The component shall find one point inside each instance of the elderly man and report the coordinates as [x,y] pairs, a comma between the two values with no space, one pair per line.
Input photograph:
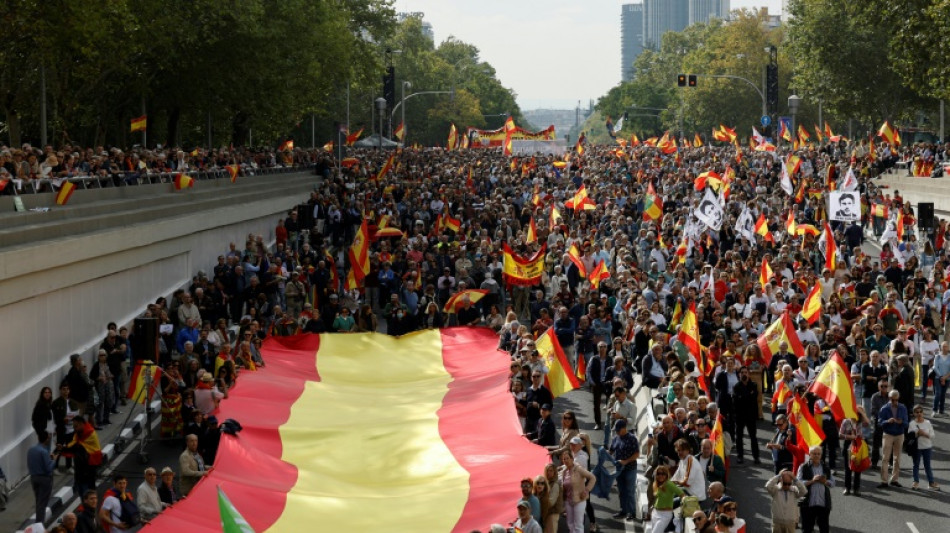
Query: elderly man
[192,465]
[893,420]
[150,504]
[785,489]
[818,481]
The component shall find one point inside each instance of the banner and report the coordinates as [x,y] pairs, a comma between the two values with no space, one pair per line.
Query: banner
[844,206]
[523,271]
[495,138]
[709,211]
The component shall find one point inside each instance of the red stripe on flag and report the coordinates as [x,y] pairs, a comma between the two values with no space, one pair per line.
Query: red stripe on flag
[478,397]
[261,402]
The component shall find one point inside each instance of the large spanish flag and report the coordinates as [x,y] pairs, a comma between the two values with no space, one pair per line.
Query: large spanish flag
[525,271]
[782,330]
[833,385]
[348,432]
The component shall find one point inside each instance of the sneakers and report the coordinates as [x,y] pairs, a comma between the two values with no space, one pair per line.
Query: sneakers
[915,486]
[934,487]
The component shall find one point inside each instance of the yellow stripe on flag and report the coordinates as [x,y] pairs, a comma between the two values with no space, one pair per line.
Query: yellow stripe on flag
[375,415]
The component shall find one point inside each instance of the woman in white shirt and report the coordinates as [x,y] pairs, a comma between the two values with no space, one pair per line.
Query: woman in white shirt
[929,348]
[925,432]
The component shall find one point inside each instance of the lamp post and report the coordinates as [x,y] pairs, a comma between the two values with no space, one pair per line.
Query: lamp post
[793,102]
[381,106]
[402,103]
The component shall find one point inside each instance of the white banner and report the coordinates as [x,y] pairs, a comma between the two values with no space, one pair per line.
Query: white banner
[844,206]
[709,210]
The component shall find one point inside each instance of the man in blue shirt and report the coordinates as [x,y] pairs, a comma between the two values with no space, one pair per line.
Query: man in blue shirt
[40,465]
[625,449]
[894,421]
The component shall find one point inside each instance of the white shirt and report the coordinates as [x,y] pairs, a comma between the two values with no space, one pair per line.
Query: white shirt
[147,498]
[923,443]
[114,506]
[690,471]
[928,350]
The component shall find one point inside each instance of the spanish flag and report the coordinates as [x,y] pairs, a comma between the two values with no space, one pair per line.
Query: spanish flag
[581,200]
[599,274]
[579,147]
[634,141]
[782,330]
[762,228]
[803,135]
[765,272]
[793,163]
[182,181]
[400,131]
[358,253]
[731,133]
[811,309]
[387,166]
[328,146]
[510,124]
[532,231]
[697,142]
[450,223]
[889,134]
[452,142]
[833,385]
[232,172]
[781,394]
[524,271]
[575,255]
[65,192]
[139,123]
[689,336]
[506,150]
[790,225]
[137,390]
[831,249]
[784,133]
[719,135]
[718,439]
[310,453]
[457,300]
[287,146]
[560,377]
[555,215]
[352,138]
[89,440]
[804,423]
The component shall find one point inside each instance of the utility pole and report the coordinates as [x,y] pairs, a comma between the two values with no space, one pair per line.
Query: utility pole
[43,106]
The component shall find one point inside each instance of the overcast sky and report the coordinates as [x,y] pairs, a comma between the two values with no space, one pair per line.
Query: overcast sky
[551,52]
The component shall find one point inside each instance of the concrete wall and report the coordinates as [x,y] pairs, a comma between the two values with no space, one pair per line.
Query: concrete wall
[57,295]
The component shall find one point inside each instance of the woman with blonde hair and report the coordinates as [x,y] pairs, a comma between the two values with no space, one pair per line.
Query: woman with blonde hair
[552,506]
[664,491]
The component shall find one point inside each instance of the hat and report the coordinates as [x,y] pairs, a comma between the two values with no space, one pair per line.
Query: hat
[620,424]
[523,503]
[724,500]
[207,377]
[546,407]
[576,440]
[167,470]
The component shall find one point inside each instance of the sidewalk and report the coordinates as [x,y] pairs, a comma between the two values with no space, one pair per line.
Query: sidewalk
[126,427]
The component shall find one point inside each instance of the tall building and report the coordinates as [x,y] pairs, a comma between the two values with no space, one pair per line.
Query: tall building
[426,26]
[701,11]
[631,37]
[661,16]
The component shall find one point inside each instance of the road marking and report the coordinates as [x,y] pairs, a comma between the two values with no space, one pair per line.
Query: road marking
[912,528]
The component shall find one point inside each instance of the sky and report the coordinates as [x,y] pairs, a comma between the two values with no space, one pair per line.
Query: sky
[552,53]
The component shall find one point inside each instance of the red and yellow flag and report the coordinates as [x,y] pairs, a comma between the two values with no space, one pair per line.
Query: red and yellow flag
[298,417]
[689,336]
[803,135]
[452,141]
[400,131]
[762,228]
[328,146]
[889,134]
[831,249]
[697,142]
[358,253]
[718,439]
[352,138]
[525,271]
[782,330]
[833,385]
[139,123]
[183,181]
[510,124]
[575,256]
[765,272]
[555,215]
[137,390]
[811,309]
[581,200]
[387,166]
[65,192]
[506,150]
[287,146]
[804,423]
[532,231]
[599,274]
[457,300]
[560,378]
[232,172]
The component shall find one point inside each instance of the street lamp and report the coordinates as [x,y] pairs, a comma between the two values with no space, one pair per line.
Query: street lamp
[402,103]
[793,102]
[381,106]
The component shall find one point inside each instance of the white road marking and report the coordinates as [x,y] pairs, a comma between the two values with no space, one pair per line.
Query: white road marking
[913,529]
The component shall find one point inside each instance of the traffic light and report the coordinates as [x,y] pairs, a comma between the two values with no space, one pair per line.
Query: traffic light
[681,80]
[389,87]
[692,80]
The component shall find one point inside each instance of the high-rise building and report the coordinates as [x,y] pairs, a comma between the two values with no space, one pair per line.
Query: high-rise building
[426,26]
[631,37]
[661,16]
[701,11]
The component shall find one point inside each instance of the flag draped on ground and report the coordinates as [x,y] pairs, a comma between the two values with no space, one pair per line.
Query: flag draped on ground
[294,464]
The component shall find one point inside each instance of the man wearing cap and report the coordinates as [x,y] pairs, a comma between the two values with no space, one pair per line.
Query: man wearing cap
[526,521]
[625,449]
[597,376]
[536,396]
[544,433]
[893,420]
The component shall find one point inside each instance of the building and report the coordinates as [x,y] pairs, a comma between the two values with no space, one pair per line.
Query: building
[631,37]
[426,26]
[702,11]
[661,16]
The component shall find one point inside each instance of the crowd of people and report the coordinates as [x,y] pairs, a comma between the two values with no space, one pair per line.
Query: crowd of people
[638,221]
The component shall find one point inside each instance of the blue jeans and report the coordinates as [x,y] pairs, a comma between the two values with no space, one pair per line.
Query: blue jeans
[925,454]
[940,395]
[627,485]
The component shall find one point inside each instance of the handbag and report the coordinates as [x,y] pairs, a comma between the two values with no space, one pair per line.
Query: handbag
[689,505]
[910,443]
